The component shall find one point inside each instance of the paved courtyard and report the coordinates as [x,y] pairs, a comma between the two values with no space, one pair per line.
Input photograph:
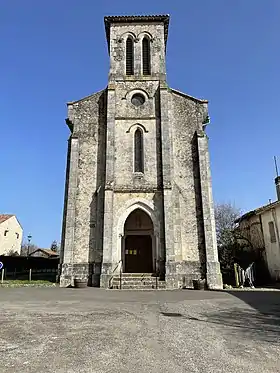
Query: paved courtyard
[94,330]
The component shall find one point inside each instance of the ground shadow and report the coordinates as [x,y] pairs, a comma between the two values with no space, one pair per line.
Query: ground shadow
[261,321]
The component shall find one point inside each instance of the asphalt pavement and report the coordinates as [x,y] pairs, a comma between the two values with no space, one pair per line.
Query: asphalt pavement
[94,330]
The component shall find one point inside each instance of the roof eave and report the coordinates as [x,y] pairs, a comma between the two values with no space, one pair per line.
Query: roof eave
[108,20]
[258,211]
[199,100]
[69,103]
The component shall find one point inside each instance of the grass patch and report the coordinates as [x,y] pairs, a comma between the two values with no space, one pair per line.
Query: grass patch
[18,283]
[27,282]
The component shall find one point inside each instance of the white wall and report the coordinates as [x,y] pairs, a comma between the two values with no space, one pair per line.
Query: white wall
[13,238]
[272,248]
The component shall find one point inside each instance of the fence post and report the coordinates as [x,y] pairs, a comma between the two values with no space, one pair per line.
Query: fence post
[30,274]
[2,275]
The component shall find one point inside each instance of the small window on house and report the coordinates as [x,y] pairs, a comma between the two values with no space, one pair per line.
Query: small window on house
[6,232]
[272,232]
[129,56]
[146,56]
[17,234]
[138,151]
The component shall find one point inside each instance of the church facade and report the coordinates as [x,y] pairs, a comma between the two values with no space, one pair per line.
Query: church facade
[138,195]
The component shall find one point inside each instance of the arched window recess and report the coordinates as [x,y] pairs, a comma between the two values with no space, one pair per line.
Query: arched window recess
[138,151]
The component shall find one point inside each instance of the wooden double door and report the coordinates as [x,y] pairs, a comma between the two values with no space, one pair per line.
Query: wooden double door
[138,254]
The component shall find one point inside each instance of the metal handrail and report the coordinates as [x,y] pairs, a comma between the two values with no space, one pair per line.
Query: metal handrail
[121,271]
[111,278]
[156,272]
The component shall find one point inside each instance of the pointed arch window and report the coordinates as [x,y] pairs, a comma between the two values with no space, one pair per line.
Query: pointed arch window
[146,56]
[138,151]
[129,56]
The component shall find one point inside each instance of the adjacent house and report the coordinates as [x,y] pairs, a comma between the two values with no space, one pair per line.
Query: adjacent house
[10,234]
[44,253]
[260,228]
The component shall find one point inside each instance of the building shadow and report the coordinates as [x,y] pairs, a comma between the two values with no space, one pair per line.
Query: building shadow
[261,321]
[97,204]
[198,203]
[158,198]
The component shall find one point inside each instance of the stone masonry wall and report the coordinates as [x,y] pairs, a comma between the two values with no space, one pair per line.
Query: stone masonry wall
[88,117]
[128,119]
[189,244]
[187,199]
[119,33]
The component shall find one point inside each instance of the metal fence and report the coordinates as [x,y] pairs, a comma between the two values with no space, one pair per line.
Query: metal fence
[26,268]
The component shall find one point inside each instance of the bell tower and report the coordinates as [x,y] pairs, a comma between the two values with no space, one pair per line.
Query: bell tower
[137,47]
[134,170]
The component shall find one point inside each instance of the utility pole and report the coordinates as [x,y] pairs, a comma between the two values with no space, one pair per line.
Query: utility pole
[276,168]
[28,244]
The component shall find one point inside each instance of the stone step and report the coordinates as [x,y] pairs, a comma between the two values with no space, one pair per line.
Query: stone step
[152,285]
[139,287]
[137,282]
[140,274]
[135,279]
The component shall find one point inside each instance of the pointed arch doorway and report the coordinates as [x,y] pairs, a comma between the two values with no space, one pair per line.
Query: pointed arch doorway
[139,243]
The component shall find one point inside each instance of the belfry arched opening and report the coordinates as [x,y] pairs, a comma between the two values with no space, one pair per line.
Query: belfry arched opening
[138,243]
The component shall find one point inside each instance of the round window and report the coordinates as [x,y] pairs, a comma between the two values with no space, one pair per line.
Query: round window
[138,99]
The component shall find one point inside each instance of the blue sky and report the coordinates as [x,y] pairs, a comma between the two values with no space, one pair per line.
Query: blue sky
[55,51]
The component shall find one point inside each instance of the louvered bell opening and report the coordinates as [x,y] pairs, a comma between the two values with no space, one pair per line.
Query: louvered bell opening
[129,57]
[146,57]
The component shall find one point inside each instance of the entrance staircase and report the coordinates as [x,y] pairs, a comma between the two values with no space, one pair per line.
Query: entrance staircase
[137,281]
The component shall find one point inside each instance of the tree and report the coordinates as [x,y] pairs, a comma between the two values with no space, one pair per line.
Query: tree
[240,243]
[12,253]
[226,214]
[27,249]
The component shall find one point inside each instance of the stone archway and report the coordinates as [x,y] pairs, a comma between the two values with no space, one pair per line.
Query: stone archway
[139,243]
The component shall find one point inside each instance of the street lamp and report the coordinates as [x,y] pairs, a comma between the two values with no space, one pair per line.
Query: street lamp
[28,245]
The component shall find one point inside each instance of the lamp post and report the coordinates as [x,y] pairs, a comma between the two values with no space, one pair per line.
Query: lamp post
[28,245]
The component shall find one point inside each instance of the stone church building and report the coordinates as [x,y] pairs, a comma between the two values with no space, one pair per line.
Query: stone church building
[138,196]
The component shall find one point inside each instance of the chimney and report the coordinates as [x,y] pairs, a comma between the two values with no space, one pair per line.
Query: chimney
[277,183]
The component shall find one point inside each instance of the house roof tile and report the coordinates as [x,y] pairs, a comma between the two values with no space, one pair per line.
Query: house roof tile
[4,217]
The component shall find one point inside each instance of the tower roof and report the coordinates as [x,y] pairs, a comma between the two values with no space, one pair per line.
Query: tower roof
[164,18]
